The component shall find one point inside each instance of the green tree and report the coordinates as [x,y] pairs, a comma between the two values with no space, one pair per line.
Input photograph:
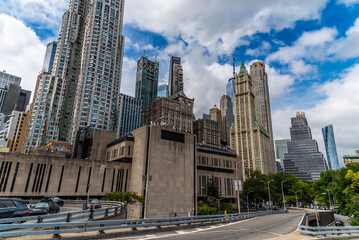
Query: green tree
[128,197]
[204,209]
[213,188]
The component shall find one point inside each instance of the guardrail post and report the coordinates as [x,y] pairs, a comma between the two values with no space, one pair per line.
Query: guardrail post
[106,212]
[40,219]
[68,218]
[91,214]
[102,231]
[116,209]
[56,235]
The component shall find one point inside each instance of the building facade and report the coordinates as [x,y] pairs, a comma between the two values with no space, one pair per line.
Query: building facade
[226,107]
[303,160]
[250,140]
[207,132]
[6,79]
[175,81]
[174,112]
[16,98]
[330,147]
[216,115]
[49,57]
[231,89]
[146,80]
[86,73]
[130,113]
[162,90]
[351,158]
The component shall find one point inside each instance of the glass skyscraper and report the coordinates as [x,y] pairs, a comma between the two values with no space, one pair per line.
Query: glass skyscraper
[330,147]
[131,116]
[162,90]
[49,57]
[303,160]
[231,89]
[6,79]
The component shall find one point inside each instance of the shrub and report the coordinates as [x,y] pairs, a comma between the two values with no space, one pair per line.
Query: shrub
[205,209]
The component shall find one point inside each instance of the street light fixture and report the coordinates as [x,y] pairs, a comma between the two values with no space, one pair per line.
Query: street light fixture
[270,202]
[296,199]
[330,202]
[283,194]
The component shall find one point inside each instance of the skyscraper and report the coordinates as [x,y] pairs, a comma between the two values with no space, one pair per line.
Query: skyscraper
[162,90]
[6,79]
[226,107]
[231,89]
[16,98]
[49,57]
[130,114]
[281,148]
[303,159]
[175,81]
[330,147]
[250,140]
[146,80]
[216,115]
[86,73]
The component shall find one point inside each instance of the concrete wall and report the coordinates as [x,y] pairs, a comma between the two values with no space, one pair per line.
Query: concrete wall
[35,176]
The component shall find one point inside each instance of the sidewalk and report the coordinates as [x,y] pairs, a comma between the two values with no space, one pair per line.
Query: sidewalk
[292,236]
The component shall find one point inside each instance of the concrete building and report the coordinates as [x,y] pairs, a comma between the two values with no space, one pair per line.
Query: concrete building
[16,98]
[84,84]
[226,107]
[216,115]
[7,79]
[17,144]
[49,57]
[162,90]
[146,80]
[351,158]
[130,114]
[221,165]
[207,132]
[250,140]
[175,81]
[174,112]
[303,160]
[330,147]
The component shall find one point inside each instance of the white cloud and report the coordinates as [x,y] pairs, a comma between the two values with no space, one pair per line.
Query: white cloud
[348,2]
[263,49]
[218,25]
[128,80]
[22,52]
[339,108]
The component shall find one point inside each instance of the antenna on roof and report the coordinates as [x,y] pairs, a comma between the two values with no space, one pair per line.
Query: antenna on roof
[144,52]
[234,66]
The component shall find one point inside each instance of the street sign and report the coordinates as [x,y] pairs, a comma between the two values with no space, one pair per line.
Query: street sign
[238,185]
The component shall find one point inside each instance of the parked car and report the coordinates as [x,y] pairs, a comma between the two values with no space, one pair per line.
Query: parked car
[339,223]
[91,204]
[13,207]
[56,200]
[44,208]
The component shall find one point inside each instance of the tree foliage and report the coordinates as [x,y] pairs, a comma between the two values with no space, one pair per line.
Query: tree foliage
[128,197]
[204,209]
[213,188]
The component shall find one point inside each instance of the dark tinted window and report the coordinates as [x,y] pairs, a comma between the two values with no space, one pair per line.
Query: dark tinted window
[20,203]
[8,203]
[2,205]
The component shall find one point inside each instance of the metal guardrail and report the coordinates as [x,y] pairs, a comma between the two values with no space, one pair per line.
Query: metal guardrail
[101,226]
[67,217]
[323,231]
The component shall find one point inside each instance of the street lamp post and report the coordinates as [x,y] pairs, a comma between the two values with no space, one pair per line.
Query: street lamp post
[270,202]
[283,194]
[296,199]
[316,209]
[219,202]
[330,202]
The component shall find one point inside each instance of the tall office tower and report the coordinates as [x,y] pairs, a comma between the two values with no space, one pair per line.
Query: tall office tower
[6,79]
[303,159]
[330,147]
[162,90]
[49,57]
[281,148]
[175,112]
[226,107]
[216,115]
[207,132]
[146,80]
[231,89]
[16,98]
[130,113]
[175,81]
[249,138]
[86,73]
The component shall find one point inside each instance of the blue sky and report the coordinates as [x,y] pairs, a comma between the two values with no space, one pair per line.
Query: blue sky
[310,48]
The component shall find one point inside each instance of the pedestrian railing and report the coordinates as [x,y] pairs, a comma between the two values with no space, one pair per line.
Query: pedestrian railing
[324,231]
[17,230]
[88,214]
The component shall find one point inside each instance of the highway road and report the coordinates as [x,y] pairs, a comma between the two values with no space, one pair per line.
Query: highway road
[258,228]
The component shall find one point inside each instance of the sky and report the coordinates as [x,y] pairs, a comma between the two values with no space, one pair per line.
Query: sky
[310,49]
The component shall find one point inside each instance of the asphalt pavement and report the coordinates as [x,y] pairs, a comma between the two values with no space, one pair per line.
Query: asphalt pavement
[257,228]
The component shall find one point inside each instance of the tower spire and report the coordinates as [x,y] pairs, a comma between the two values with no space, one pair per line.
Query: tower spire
[234,66]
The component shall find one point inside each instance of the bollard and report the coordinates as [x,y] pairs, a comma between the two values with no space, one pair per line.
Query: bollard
[68,218]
